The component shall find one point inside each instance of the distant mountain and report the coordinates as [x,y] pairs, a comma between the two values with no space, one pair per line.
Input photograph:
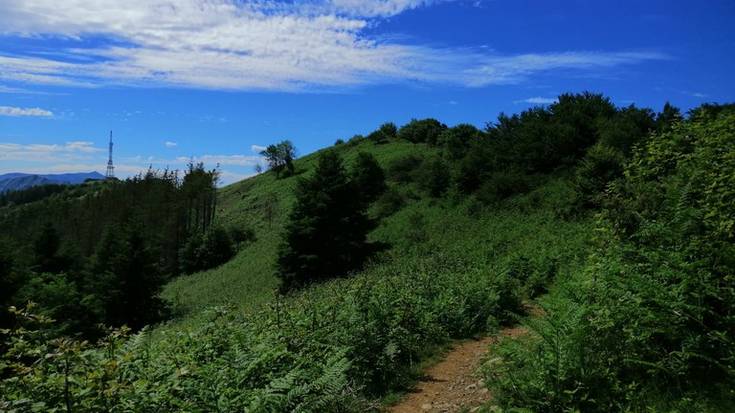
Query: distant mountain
[16,181]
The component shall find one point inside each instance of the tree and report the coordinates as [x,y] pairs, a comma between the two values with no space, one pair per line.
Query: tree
[199,189]
[327,228]
[368,177]
[601,166]
[127,279]
[434,177]
[280,156]
[386,132]
[9,283]
[425,130]
[210,249]
[458,139]
[46,249]
[628,127]
[668,116]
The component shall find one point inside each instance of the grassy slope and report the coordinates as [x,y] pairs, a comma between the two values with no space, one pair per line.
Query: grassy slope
[248,280]
[491,238]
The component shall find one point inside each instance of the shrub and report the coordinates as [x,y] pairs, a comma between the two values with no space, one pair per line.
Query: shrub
[425,130]
[367,177]
[403,169]
[458,139]
[210,249]
[601,166]
[433,177]
[241,236]
[501,185]
[355,140]
[386,132]
[389,203]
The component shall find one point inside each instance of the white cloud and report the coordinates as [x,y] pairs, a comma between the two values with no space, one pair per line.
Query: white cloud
[257,148]
[170,144]
[47,152]
[36,112]
[514,69]
[373,8]
[255,45]
[537,100]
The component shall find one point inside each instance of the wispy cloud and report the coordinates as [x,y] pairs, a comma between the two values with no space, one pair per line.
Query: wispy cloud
[170,144]
[35,112]
[69,151]
[537,100]
[257,148]
[256,45]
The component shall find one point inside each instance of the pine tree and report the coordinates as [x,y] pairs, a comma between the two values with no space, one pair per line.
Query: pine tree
[368,177]
[126,280]
[46,249]
[9,283]
[327,229]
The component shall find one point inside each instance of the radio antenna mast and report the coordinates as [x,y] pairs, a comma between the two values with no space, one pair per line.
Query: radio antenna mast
[110,168]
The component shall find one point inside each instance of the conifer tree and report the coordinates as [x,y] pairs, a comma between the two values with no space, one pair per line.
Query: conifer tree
[327,229]
[8,283]
[368,177]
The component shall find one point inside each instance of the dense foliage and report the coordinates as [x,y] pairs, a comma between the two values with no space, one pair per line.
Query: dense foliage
[652,319]
[101,252]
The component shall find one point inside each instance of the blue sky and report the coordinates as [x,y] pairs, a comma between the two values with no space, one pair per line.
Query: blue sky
[214,80]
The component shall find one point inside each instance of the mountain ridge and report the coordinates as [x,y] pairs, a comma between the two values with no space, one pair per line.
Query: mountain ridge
[15,181]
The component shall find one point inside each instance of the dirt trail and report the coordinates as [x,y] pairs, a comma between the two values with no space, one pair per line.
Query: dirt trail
[454,383]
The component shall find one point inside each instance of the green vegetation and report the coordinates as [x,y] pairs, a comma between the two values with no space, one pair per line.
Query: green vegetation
[650,321]
[100,253]
[619,221]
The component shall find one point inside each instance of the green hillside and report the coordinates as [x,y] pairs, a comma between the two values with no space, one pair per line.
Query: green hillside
[617,222]
[248,280]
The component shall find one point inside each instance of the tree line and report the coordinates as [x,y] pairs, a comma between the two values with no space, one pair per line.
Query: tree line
[100,253]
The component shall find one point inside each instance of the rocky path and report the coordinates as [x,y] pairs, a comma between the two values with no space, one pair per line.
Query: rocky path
[454,383]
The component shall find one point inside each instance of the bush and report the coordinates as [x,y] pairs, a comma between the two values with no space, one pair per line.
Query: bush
[403,169]
[210,249]
[387,131]
[501,185]
[433,177]
[389,203]
[241,236]
[458,139]
[355,140]
[425,130]
[367,177]
[601,166]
